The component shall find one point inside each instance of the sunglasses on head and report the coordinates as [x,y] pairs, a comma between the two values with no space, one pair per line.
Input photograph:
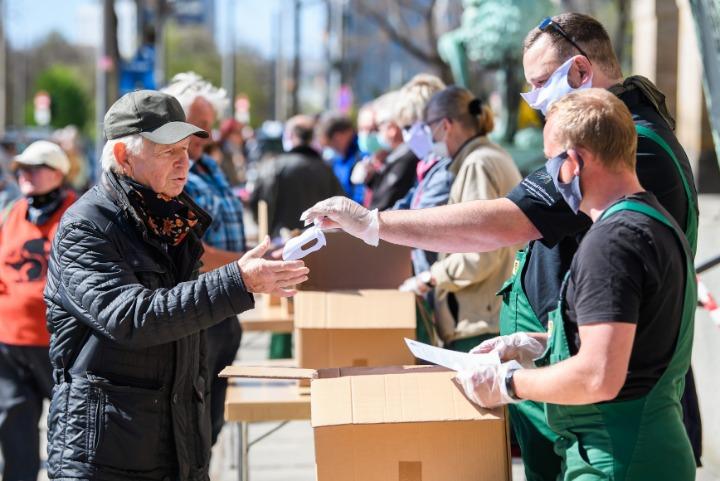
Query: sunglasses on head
[547,23]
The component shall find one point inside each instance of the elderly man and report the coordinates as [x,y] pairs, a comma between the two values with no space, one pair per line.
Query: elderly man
[564,53]
[127,310]
[26,230]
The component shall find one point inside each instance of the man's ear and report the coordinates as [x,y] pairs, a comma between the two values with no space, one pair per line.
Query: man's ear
[120,152]
[577,157]
[581,71]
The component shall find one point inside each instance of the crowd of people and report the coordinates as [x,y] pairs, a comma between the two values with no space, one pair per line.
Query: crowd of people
[120,306]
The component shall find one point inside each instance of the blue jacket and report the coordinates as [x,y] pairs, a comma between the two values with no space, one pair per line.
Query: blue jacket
[342,166]
[432,191]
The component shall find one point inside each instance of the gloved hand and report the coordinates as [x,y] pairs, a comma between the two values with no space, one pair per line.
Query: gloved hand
[414,284]
[519,347]
[485,386]
[349,216]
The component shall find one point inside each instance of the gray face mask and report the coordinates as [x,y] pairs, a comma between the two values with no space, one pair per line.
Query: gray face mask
[571,191]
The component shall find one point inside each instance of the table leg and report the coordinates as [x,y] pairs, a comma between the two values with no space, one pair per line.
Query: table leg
[244,448]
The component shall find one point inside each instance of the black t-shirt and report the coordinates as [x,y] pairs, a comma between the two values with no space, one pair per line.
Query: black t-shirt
[562,230]
[630,268]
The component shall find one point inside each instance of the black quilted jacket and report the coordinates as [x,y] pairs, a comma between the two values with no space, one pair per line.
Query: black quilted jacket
[127,321]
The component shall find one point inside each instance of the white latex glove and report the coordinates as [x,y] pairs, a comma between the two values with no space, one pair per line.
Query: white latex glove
[519,347]
[413,284]
[349,216]
[485,386]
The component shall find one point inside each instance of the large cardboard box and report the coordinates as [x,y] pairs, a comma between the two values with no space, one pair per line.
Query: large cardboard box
[353,328]
[347,263]
[408,423]
[349,313]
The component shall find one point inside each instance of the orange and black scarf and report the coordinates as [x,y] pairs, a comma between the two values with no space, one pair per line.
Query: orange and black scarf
[168,218]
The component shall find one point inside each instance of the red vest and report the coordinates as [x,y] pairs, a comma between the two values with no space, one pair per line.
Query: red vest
[24,254]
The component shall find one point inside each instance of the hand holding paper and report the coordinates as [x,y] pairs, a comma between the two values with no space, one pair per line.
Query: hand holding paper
[486,386]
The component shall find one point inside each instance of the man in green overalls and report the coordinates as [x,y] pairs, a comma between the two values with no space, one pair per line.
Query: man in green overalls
[618,344]
[564,53]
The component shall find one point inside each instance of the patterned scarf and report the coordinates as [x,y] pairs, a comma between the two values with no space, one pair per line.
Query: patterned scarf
[168,218]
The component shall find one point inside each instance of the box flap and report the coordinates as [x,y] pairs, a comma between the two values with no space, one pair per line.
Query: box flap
[349,263]
[358,396]
[268,372]
[360,309]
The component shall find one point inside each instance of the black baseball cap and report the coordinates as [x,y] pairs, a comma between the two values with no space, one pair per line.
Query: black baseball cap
[157,116]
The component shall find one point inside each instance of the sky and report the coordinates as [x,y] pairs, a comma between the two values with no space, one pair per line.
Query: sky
[255,21]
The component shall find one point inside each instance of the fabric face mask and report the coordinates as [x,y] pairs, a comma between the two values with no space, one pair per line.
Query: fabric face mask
[419,140]
[328,154]
[570,192]
[555,88]
[368,142]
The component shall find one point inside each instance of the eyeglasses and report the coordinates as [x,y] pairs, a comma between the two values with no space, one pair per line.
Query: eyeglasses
[548,23]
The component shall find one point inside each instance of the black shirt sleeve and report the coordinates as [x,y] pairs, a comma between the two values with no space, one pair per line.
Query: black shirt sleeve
[608,277]
[540,201]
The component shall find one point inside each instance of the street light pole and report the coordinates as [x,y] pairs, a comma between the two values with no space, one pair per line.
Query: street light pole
[3,70]
[296,58]
[228,65]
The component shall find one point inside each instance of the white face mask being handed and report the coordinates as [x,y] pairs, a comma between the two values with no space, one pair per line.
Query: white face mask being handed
[555,88]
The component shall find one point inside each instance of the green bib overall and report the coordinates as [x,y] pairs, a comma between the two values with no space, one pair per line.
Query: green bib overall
[637,440]
[535,438]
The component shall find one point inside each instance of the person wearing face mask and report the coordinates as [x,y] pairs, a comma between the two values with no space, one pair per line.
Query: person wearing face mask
[336,137]
[26,230]
[394,178]
[466,307]
[372,151]
[610,365]
[538,213]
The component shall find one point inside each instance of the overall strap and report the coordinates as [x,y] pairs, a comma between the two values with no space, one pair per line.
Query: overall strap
[691,227]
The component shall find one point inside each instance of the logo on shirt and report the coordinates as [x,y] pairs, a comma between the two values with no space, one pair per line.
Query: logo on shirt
[31,261]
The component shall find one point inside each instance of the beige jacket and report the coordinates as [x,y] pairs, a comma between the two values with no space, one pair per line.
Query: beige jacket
[483,171]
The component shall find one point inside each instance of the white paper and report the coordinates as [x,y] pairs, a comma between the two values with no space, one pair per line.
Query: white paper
[457,361]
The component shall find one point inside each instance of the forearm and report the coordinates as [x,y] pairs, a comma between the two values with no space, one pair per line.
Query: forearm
[575,381]
[477,226]
[213,258]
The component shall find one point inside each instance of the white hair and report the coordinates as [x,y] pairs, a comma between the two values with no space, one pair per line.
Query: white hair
[133,144]
[188,86]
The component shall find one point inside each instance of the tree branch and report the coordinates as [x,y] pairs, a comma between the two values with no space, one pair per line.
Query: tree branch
[403,41]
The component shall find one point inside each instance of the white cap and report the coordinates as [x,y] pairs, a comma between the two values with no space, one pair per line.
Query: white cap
[46,153]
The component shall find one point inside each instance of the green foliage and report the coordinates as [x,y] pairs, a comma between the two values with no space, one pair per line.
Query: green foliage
[70,103]
[193,49]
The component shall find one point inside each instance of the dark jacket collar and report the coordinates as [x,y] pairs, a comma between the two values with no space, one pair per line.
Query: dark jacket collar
[305,150]
[111,186]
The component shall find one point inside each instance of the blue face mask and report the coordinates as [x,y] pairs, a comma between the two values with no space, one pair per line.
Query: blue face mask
[328,154]
[571,191]
[369,142]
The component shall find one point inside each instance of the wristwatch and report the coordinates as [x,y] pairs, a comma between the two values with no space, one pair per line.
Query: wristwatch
[510,386]
[426,278]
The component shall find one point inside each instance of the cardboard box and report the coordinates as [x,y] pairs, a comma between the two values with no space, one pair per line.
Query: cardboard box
[353,328]
[408,423]
[347,263]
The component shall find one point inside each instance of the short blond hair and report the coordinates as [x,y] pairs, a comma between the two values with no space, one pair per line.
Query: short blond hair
[414,96]
[598,121]
[384,107]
